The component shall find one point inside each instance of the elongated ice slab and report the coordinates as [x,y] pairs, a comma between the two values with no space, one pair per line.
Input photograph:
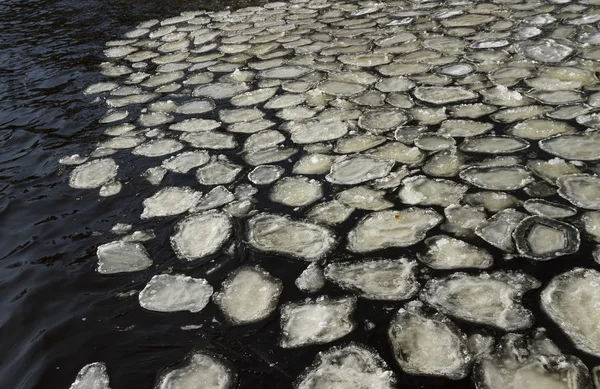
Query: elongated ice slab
[316,322]
[443,95]
[171,293]
[428,343]
[201,369]
[497,178]
[384,229]
[92,376]
[275,233]
[122,257]
[490,299]
[382,279]
[201,235]
[248,295]
[358,169]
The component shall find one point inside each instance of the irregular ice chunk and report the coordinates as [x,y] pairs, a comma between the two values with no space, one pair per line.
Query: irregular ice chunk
[443,95]
[195,125]
[93,174]
[201,235]
[426,191]
[341,89]
[253,97]
[74,159]
[184,162]
[92,376]
[316,322]
[376,279]
[155,175]
[296,191]
[537,129]
[248,295]
[121,257]
[196,107]
[111,188]
[330,213]
[270,155]
[463,220]
[493,145]
[314,164]
[581,190]
[170,201]
[398,152]
[581,146]
[542,239]
[520,362]
[571,301]
[263,140]
[362,197]
[499,229]
[311,279]
[265,174]
[428,343]
[434,142]
[172,293]
[503,97]
[274,233]
[444,252]
[284,72]
[210,140]
[490,299]
[384,229]
[200,369]
[497,178]
[357,169]
[219,171]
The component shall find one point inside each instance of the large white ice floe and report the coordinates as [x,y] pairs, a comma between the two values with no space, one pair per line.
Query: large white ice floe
[201,235]
[385,229]
[170,201]
[92,376]
[171,293]
[428,343]
[248,295]
[571,301]
[347,367]
[200,370]
[522,362]
[445,252]
[280,234]
[380,279]
[93,174]
[358,169]
[489,299]
[122,257]
[319,321]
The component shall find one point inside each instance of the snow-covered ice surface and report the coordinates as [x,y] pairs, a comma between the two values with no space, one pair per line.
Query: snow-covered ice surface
[321,163]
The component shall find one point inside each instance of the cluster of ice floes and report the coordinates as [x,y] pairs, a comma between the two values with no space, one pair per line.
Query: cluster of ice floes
[400,152]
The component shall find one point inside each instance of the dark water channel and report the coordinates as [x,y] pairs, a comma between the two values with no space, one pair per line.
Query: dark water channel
[57,314]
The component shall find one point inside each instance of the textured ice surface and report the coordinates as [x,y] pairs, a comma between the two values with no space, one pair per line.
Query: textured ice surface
[219,171]
[314,164]
[265,174]
[200,235]
[122,257]
[157,148]
[170,201]
[200,371]
[520,362]
[428,343]
[571,301]
[499,229]
[93,174]
[317,131]
[426,191]
[463,220]
[445,252]
[382,279]
[351,366]
[330,213]
[362,197]
[171,293]
[316,322]
[582,190]
[542,238]
[248,295]
[357,169]
[275,233]
[296,191]
[311,279]
[381,121]
[443,95]
[492,201]
[489,299]
[92,376]
[384,229]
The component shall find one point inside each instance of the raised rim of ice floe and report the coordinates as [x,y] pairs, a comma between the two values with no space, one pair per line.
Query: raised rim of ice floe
[464,146]
[328,232]
[520,235]
[410,264]
[178,228]
[563,190]
[187,361]
[464,175]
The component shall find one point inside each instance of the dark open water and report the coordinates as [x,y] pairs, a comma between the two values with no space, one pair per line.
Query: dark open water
[57,314]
